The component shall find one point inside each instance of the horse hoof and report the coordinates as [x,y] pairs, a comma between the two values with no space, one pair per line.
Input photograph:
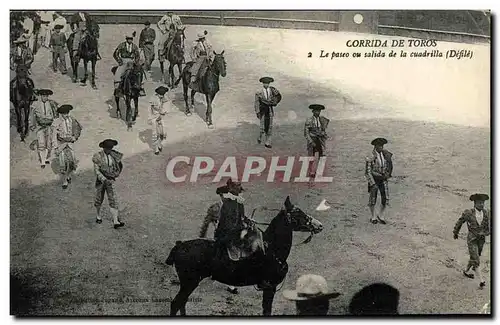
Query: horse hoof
[210,126]
[94,87]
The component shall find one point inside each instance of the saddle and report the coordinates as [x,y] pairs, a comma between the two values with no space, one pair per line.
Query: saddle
[250,242]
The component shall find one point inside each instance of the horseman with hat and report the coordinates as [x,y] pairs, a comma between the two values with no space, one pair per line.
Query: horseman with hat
[202,54]
[167,25]
[107,167]
[378,170]
[147,46]
[67,131]
[43,114]
[315,134]
[479,226]
[265,100]
[21,54]
[126,55]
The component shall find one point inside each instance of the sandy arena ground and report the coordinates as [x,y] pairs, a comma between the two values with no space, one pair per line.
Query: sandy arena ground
[434,112]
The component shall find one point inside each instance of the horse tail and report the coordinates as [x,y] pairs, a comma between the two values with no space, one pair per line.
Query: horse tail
[171,257]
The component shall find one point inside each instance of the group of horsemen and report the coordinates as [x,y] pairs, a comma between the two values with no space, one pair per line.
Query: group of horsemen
[126,54]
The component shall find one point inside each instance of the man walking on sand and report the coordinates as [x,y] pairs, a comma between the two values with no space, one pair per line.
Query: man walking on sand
[377,172]
[478,222]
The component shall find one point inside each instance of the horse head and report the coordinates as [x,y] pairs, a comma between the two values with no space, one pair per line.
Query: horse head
[299,220]
[220,64]
[133,79]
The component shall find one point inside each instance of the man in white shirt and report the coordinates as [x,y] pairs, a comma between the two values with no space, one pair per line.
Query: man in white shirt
[478,223]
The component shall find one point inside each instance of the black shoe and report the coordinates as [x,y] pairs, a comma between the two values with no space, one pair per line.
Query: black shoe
[99,221]
[482,285]
[69,180]
[47,162]
[268,146]
[65,187]
[42,166]
[374,221]
[157,153]
[234,291]
[121,224]
[470,276]
[382,221]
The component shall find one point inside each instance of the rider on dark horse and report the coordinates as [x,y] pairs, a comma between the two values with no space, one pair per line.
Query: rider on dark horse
[81,24]
[201,52]
[21,54]
[126,54]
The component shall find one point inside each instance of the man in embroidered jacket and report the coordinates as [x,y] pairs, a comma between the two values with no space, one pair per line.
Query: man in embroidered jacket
[378,170]
[43,114]
[107,167]
[156,113]
[479,225]
[315,134]
[201,51]
[265,100]
[146,44]
[126,55]
[67,131]
[21,53]
[167,26]
[58,48]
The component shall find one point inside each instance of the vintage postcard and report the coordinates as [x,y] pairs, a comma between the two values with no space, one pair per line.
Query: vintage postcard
[247,163]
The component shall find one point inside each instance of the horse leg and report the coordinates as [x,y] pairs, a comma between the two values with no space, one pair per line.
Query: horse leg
[185,92]
[93,74]
[267,301]
[136,107]
[17,108]
[192,98]
[162,68]
[118,113]
[170,80]
[180,300]
[75,63]
[208,116]
[128,115]
[84,80]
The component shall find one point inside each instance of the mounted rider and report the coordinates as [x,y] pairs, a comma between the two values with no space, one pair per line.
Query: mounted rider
[167,25]
[21,54]
[126,54]
[202,50]
[81,25]
[235,231]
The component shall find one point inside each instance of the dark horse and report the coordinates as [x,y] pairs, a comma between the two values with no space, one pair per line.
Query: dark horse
[197,259]
[88,51]
[22,91]
[175,56]
[130,88]
[207,84]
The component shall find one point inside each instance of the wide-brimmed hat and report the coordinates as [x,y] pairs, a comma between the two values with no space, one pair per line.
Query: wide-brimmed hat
[222,189]
[316,107]
[162,90]
[375,299]
[147,23]
[64,109]
[266,80]
[130,36]
[310,286]
[479,197]
[45,92]
[202,35]
[108,144]
[58,26]
[378,142]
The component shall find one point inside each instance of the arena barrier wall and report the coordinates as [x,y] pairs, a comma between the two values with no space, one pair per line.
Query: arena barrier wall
[465,26]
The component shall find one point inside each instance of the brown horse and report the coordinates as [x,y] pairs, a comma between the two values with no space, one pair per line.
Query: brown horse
[175,56]
[22,91]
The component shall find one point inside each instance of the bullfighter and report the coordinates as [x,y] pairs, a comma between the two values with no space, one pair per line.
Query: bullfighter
[265,101]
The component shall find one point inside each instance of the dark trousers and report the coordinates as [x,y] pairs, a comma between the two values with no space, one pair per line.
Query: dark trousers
[59,54]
